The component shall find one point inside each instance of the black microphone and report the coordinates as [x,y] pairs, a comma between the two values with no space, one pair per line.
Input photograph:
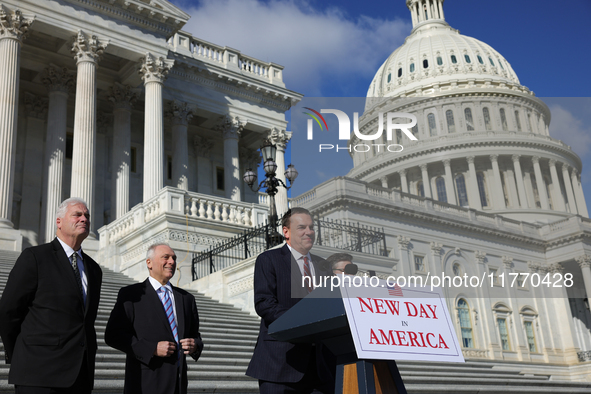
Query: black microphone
[351,269]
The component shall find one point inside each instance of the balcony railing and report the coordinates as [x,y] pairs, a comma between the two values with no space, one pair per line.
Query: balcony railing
[332,233]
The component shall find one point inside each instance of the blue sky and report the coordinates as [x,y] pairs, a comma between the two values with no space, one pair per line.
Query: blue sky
[333,49]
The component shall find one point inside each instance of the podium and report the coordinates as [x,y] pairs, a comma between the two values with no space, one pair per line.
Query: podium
[321,318]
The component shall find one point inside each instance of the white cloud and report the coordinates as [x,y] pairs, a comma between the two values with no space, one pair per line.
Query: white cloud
[315,46]
[570,130]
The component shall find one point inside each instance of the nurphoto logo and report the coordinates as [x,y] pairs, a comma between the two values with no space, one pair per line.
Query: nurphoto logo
[345,130]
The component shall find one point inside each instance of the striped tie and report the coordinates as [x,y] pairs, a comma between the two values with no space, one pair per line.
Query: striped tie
[167,302]
[307,274]
[74,262]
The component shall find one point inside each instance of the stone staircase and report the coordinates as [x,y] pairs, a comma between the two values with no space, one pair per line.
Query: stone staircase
[229,336]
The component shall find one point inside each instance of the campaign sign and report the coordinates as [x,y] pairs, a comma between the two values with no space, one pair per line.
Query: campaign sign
[394,323]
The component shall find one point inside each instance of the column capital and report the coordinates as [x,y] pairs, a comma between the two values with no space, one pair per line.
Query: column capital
[179,112]
[574,172]
[479,256]
[250,158]
[515,158]
[494,158]
[552,162]
[153,69]
[13,24]
[202,146]
[35,106]
[535,159]
[446,162]
[403,242]
[533,266]
[507,262]
[436,248]
[402,172]
[555,268]
[58,79]
[231,127]
[470,159]
[423,167]
[584,261]
[279,137]
[88,49]
[122,96]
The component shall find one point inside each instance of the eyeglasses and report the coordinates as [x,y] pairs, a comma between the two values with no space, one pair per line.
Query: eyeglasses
[338,269]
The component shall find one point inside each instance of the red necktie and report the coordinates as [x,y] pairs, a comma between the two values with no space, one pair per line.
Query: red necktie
[307,274]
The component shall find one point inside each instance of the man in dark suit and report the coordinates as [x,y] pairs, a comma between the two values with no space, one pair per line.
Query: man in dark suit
[48,309]
[156,325]
[282,367]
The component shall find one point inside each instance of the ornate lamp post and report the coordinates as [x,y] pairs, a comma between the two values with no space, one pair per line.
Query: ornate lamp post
[271,183]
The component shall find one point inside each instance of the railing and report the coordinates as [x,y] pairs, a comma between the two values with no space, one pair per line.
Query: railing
[333,233]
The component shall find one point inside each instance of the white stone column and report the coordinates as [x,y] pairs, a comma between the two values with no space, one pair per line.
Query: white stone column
[231,127]
[180,114]
[87,52]
[153,72]
[122,97]
[13,27]
[572,204]
[542,191]
[557,198]
[520,182]
[426,182]
[473,185]
[36,110]
[449,183]
[205,177]
[384,181]
[280,138]
[403,181]
[584,262]
[59,83]
[579,196]
[498,194]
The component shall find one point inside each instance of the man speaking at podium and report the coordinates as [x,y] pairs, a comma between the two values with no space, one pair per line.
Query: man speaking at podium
[283,367]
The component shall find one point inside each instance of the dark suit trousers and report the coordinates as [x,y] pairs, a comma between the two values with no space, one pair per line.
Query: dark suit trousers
[82,385]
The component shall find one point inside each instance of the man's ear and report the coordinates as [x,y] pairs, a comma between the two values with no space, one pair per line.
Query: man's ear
[58,221]
[149,264]
[286,233]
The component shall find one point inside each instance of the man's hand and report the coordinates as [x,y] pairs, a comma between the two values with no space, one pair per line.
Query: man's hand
[165,349]
[188,345]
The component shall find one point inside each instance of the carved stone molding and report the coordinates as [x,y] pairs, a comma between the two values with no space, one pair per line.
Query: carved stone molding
[555,268]
[13,24]
[279,137]
[58,79]
[153,69]
[250,158]
[515,158]
[479,256]
[507,262]
[231,127]
[403,242]
[202,146]
[241,286]
[533,266]
[88,49]
[436,248]
[470,159]
[35,106]
[179,112]
[122,96]
[535,159]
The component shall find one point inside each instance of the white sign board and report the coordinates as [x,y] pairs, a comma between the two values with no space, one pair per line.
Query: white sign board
[394,323]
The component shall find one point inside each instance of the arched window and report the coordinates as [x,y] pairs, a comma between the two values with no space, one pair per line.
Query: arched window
[412,67]
[467,58]
[486,116]
[534,186]
[505,192]
[547,182]
[529,317]
[529,128]
[425,63]
[480,59]
[491,61]
[461,189]
[441,193]
[501,64]
[399,72]
[449,115]
[468,117]
[439,61]
[465,323]
[432,126]
[503,119]
[415,130]
[389,77]
[420,189]
[504,333]
[453,59]
[482,189]
[517,120]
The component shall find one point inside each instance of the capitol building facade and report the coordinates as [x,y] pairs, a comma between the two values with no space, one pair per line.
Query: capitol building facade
[111,101]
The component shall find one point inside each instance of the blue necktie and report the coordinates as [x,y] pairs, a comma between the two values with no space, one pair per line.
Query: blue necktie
[167,302]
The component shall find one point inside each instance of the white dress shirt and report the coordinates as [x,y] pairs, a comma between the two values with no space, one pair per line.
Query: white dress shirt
[157,285]
[299,258]
[69,252]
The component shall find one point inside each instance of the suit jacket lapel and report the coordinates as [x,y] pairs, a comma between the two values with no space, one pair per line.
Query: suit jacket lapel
[64,265]
[180,312]
[154,299]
